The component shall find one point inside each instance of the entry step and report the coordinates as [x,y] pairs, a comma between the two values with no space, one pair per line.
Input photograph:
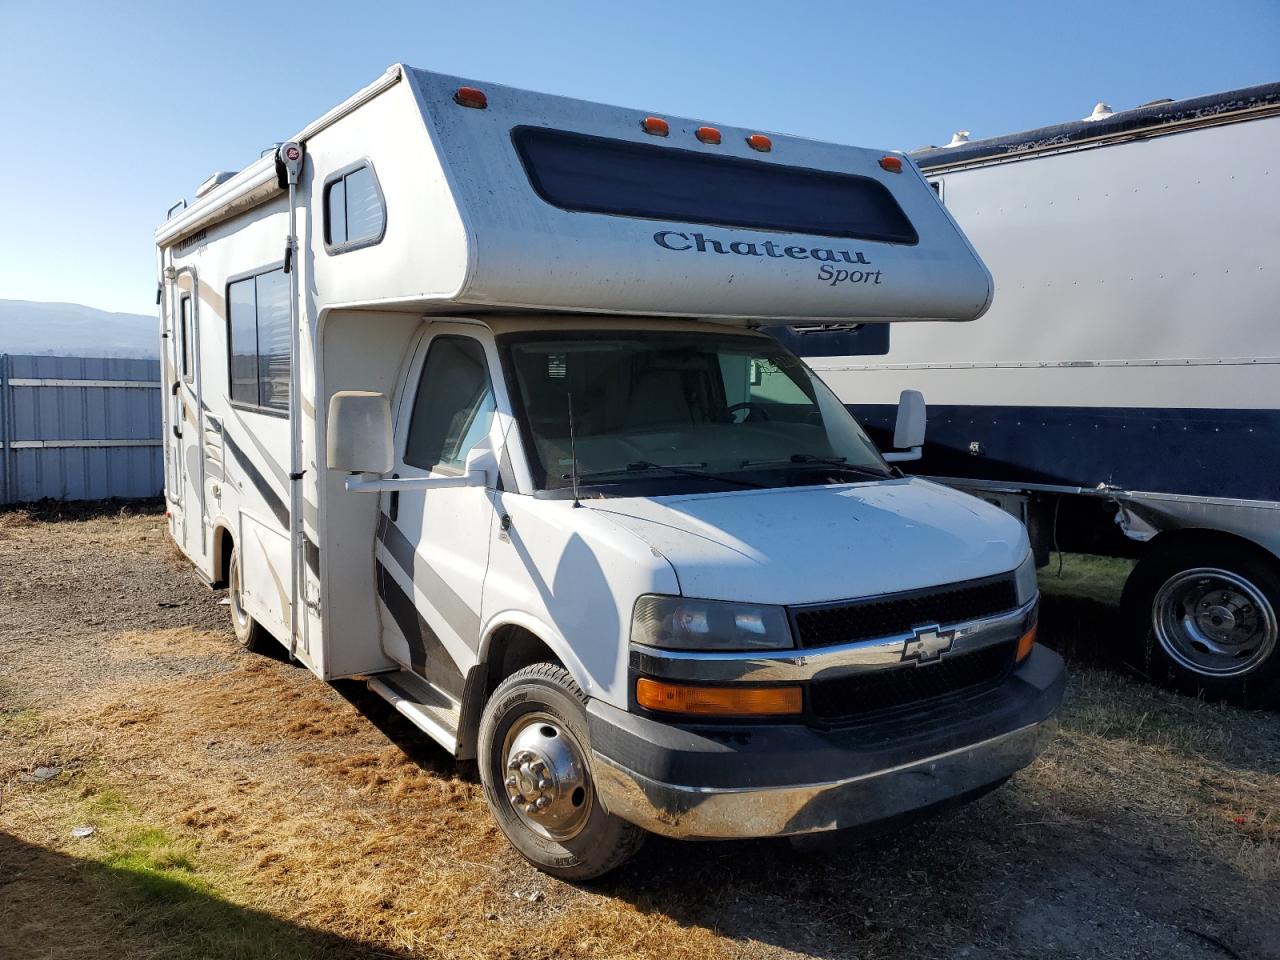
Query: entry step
[425,705]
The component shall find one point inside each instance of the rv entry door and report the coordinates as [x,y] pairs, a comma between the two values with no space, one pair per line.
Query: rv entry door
[188,433]
[433,545]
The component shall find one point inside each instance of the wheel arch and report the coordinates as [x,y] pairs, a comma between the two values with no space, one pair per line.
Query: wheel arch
[223,543]
[508,644]
[1188,538]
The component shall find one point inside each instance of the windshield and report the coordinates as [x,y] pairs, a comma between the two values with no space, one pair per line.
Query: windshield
[670,412]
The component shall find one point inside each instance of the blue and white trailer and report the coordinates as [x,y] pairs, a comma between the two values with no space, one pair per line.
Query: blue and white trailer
[1122,394]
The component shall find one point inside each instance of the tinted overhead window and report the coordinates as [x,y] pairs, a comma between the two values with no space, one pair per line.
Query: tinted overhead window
[598,175]
[354,215]
[454,406]
[259,335]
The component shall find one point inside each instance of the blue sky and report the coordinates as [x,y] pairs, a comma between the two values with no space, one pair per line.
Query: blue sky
[111,111]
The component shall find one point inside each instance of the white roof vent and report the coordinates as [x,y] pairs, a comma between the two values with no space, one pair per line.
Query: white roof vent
[1100,111]
[958,138]
[217,179]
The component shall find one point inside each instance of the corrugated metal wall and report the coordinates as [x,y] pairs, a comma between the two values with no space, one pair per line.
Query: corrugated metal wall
[79,428]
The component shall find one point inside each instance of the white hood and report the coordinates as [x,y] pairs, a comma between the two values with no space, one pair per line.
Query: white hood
[797,545]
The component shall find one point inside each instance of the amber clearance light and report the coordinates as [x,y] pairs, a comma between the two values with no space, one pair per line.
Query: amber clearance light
[731,701]
[891,164]
[470,97]
[655,126]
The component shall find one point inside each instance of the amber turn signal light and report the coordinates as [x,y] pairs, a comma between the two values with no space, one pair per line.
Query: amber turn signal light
[729,701]
[891,164]
[1026,642]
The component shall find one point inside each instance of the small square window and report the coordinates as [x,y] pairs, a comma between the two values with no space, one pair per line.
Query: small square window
[354,213]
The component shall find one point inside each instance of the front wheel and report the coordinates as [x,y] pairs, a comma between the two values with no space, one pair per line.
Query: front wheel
[1203,620]
[534,755]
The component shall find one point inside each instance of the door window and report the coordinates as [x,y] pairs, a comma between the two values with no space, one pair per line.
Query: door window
[188,340]
[453,408]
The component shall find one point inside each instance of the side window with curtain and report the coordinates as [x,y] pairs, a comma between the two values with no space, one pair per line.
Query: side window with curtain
[354,213]
[453,408]
[259,340]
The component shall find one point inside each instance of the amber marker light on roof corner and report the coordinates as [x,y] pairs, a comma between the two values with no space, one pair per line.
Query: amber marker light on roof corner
[708,135]
[891,164]
[758,141]
[470,97]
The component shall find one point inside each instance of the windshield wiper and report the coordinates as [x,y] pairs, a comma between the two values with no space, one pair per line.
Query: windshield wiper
[810,459]
[683,469]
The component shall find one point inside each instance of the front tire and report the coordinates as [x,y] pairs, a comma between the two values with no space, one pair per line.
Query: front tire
[250,634]
[534,756]
[1204,619]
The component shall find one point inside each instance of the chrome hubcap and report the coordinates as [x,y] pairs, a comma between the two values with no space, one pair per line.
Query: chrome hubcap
[546,777]
[1214,622]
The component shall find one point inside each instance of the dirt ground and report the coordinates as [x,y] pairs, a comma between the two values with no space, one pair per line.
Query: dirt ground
[241,807]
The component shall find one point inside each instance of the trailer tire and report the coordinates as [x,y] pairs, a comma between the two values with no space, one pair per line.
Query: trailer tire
[1203,618]
[534,756]
[250,634]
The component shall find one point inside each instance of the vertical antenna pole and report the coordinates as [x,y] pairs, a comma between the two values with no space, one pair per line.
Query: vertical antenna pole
[573,453]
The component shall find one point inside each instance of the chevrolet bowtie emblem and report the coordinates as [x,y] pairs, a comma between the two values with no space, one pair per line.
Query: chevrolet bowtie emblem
[929,643]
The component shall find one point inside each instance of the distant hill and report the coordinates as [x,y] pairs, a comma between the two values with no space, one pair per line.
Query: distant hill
[69,329]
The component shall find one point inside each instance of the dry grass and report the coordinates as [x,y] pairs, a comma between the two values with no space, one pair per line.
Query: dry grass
[243,808]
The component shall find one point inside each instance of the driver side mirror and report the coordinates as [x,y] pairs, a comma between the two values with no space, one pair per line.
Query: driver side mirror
[908,430]
[358,439]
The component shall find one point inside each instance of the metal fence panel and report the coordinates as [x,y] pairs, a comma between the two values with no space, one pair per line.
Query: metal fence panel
[79,428]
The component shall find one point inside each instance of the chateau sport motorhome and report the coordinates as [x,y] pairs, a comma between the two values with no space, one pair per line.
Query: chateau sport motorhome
[1121,395]
[465,396]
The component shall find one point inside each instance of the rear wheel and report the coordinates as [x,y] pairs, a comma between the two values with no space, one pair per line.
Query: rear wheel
[535,766]
[1203,619]
[248,631]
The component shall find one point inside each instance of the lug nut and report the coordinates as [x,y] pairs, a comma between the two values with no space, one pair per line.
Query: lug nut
[542,802]
[544,784]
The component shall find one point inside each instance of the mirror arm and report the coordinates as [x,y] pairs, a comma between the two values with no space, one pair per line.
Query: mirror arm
[915,453]
[371,483]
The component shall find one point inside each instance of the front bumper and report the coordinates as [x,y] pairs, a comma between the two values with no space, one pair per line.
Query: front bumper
[737,781]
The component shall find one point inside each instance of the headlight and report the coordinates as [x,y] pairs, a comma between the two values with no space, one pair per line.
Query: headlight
[677,623]
[1024,579]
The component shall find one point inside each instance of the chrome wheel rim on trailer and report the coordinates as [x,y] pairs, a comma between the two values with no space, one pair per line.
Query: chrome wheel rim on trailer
[233,594]
[1214,622]
[546,777]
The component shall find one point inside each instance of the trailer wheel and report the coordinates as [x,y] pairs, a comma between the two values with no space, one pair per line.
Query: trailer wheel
[1203,619]
[248,631]
[534,756]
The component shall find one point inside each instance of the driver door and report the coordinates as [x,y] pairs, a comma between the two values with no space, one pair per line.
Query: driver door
[433,545]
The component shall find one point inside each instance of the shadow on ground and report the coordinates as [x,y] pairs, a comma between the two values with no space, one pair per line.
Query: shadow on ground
[56,907]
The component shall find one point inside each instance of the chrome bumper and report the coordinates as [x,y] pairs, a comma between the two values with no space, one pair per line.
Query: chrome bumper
[721,781]
[691,813]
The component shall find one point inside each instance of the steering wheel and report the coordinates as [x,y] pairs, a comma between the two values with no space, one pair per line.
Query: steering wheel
[754,411]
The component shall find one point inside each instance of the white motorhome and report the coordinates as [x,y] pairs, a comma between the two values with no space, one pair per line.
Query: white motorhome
[1124,382]
[464,396]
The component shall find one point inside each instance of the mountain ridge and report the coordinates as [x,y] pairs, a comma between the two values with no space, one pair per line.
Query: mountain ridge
[75,330]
